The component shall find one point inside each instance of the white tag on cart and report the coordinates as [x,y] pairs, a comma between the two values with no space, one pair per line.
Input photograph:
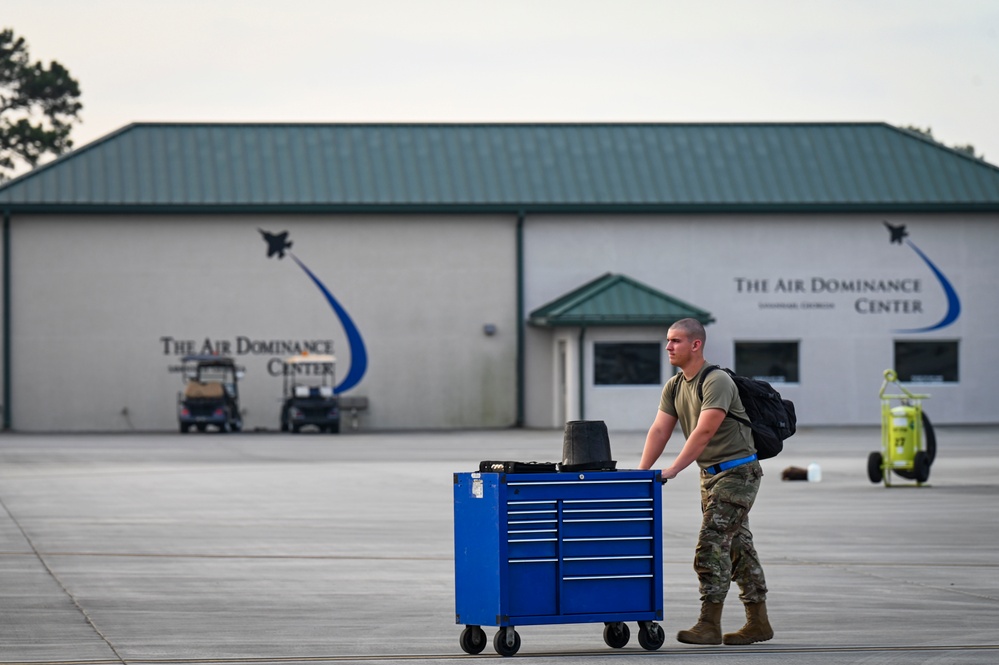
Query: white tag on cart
[477,488]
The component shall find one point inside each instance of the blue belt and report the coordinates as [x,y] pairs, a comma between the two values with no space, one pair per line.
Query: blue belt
[731,464]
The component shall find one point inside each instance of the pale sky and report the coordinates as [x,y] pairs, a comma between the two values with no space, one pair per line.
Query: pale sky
[929,63]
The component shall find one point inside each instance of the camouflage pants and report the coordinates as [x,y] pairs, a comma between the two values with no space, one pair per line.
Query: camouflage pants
[725,549]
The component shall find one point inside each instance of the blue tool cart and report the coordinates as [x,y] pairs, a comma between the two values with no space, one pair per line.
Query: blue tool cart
[550,548]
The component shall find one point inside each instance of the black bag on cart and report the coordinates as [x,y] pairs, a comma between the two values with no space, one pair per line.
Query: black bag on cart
[586,447]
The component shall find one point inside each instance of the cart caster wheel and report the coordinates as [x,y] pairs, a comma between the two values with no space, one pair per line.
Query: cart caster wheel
[473,640]
[616,634]
[874,461]
[651,636]
[501,641]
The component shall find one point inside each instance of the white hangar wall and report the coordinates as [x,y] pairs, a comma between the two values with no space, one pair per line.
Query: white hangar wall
[774,278]
[104,306]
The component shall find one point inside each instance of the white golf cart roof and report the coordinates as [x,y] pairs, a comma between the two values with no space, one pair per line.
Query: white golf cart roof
[309,359]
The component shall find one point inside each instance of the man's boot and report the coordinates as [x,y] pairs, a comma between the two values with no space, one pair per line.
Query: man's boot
[707,630]
[757,628]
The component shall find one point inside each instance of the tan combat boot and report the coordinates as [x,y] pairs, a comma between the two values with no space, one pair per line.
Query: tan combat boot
[707,630]
[757,628]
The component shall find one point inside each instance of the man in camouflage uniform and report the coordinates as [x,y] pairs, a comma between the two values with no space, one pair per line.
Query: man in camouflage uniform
[730,478]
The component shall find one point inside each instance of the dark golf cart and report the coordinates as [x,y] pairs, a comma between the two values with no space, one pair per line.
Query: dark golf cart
[211,394]
[309,400]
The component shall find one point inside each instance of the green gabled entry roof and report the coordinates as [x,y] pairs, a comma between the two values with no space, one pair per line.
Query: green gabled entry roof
[615,300]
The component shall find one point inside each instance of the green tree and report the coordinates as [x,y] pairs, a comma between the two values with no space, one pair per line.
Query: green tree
[968,149]
[38,105]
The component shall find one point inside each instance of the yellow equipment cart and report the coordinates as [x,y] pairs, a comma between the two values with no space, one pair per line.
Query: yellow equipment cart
[908,444]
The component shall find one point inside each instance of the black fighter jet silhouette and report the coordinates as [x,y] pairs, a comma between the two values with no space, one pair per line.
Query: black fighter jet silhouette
[897,232]
[276,243]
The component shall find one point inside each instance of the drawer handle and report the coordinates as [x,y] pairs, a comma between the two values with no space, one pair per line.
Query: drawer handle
[598,501]
[607,577]
[533,560]
[607,558]
[592,540]
[583,482]
[610,519]
[533,531]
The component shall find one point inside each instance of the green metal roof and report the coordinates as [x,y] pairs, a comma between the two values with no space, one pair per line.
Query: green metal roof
[508,167]
[615,300]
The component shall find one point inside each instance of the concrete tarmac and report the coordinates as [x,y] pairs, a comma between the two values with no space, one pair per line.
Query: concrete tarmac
[280,548]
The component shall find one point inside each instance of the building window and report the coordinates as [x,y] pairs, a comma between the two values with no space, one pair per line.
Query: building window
[774,362]
[627,363]
[926,362]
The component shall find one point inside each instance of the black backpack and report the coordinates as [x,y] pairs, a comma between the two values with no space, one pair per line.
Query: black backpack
[771,417]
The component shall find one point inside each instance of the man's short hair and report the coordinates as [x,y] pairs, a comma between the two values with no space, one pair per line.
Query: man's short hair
[692,328]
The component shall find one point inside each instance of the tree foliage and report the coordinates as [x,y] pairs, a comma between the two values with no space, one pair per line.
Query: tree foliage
[968,149]
[38,105]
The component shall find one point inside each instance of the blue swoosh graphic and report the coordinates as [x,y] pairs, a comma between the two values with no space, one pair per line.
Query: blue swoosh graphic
[953,302]
[358,354]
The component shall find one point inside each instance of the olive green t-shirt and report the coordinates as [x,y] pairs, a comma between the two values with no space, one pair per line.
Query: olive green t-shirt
[733,440]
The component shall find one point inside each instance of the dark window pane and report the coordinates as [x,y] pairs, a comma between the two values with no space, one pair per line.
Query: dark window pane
[926,362]
[627,363]
[775,362]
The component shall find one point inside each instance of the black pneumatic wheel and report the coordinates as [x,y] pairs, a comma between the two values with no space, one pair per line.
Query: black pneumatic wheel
[651,636]
[874,462]
[931,439]
[921,467]
[616,634]
[473,640]
[928,454]
[500,642]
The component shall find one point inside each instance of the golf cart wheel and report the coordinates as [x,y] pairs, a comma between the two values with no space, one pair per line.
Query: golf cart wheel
[651,635]
[184,427]
[874,462]
[335,427]
[921,467]
[616,634]
[473,640]
[499,641]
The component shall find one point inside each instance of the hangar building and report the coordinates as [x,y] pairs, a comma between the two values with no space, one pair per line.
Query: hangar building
[498,275]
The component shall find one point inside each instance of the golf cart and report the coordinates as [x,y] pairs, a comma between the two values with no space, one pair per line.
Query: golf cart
[211,394]
[309,400]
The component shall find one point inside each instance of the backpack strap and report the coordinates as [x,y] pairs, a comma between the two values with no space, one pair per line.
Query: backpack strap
[676,386]
[700,383]
[700,393]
